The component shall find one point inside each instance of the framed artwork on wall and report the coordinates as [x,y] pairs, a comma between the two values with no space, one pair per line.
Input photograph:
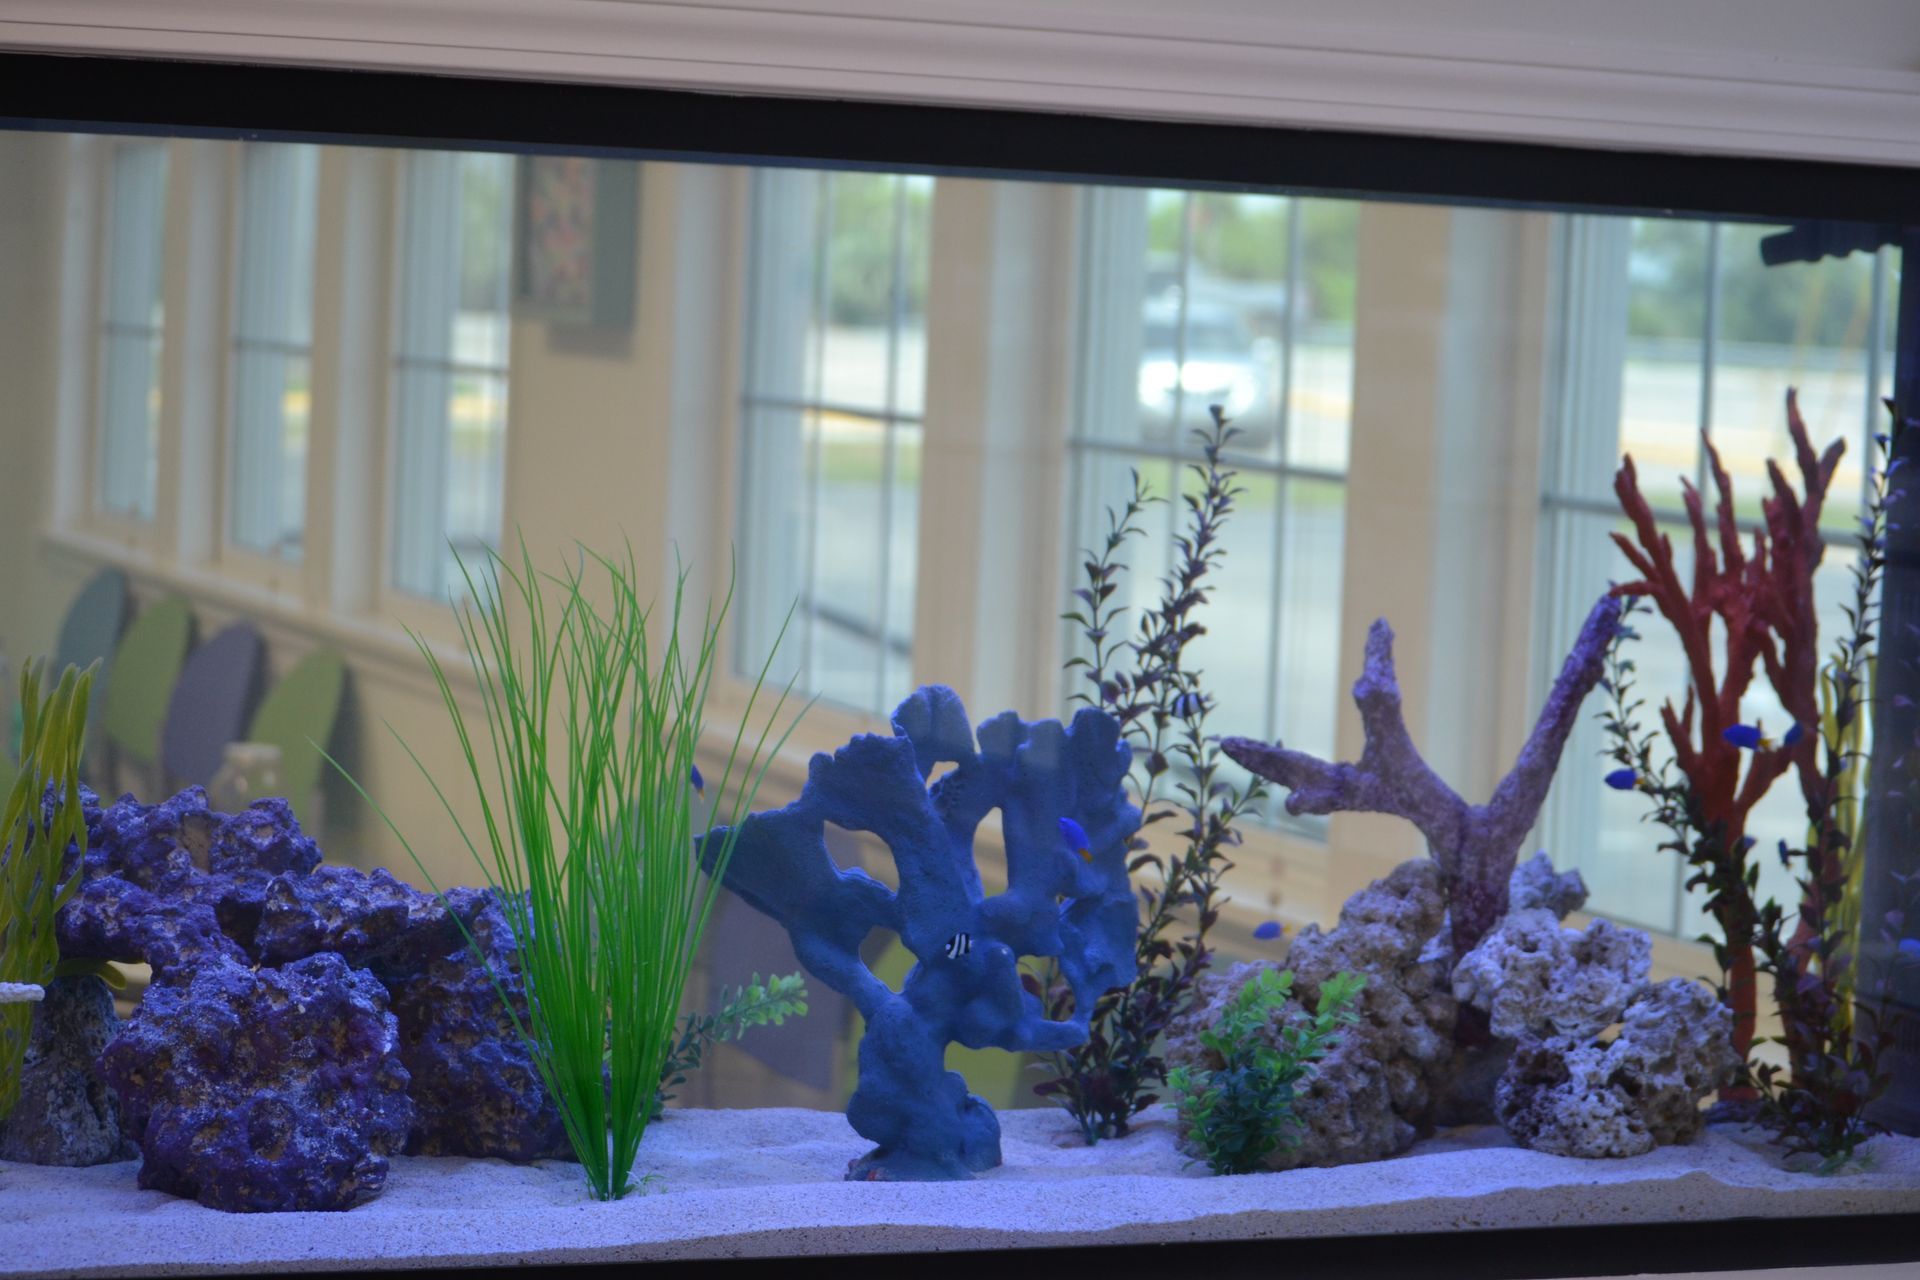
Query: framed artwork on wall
[574,262]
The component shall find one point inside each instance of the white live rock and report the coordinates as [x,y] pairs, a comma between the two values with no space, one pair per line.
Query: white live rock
[21,993]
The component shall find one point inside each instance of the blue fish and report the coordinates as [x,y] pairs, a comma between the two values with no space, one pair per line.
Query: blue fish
[1267,931]
[1748,737]
[1628,780]
[1076,837]
[699,783]
[1910,948]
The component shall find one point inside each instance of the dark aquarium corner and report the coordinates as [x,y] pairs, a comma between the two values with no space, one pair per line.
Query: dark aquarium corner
[949,640]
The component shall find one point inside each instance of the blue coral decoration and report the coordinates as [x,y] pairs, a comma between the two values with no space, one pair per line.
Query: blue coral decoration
[924,1122]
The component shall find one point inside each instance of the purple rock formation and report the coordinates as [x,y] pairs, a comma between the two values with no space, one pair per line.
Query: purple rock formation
[365,917]
[262,1090]
[66,1115]
[188,890]
[475,1089]
[266,837]
[175,883]
[112,919]
[1476,846]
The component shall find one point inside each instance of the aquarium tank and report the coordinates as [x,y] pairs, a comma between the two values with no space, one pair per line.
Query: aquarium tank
[606,685]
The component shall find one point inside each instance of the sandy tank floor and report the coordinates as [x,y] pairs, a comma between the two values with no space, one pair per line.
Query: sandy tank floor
[768,1182]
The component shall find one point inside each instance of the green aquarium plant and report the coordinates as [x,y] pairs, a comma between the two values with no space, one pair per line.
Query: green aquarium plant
[1241,1112]
[589,804]
[740,1010]
[1150,685]
[40,828]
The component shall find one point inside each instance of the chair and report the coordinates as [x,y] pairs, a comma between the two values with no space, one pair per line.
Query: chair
[298,716]
[146,666]
[89,633]
[213,704]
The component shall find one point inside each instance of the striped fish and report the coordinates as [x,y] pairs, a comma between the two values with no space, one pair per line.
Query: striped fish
[958,945]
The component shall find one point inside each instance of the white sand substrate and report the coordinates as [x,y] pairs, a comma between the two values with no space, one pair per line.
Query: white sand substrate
[768,1182]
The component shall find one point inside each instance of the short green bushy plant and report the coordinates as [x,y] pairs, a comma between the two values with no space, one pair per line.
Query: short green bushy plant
[1243,1112]
[587,788]
[36,840]
[741,1009]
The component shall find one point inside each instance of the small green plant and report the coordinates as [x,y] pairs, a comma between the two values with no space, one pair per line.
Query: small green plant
[741,1009]
[586,787]
[39,829]
[1242,1112]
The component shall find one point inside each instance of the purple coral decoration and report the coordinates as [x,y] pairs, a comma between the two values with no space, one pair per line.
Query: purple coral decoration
[1476,846]
[966,986]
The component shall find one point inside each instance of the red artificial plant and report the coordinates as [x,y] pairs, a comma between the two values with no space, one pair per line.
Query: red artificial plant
[1763,600]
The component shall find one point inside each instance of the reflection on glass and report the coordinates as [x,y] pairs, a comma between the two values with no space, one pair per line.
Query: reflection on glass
[131,323]
[1246,302]
[835,384]
[451,365]
[272,348]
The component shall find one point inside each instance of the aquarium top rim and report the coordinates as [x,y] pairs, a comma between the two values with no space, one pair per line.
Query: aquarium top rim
[100,94]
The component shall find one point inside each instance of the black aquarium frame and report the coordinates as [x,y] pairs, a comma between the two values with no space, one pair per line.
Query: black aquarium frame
[1877,205]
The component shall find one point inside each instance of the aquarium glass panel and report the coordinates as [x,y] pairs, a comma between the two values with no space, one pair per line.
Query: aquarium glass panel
[451,365]
[1307,708]
[271,399]
[132,323]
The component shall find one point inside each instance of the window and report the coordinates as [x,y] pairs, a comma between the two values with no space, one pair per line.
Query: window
[832,408]
[132,317]
[450,364]
[1192,299]
[272,349]
[1684,330]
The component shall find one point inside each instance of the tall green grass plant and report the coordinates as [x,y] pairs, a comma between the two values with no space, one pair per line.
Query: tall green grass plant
[587,792]
[32,846]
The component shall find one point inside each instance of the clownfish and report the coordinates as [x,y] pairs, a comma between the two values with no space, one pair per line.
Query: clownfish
[1748,737]
[1189,705]
[958,945]
[1076,837]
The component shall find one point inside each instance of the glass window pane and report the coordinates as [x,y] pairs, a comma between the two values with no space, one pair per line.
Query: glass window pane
[1245,301]
[132,321]
[834,385]
[272,344]
[865,217]
[1668,269]
[1803,325]
[450,365]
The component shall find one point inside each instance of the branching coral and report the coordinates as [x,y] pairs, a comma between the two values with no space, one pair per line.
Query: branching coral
[1763,602]
[1476,846]
[1066,897]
